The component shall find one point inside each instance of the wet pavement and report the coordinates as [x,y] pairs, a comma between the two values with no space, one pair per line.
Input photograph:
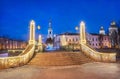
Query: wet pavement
[85,71]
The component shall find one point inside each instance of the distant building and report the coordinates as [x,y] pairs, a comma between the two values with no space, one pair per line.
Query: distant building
[100,40]
[66,39]
[73,38]
[94,41]
[6,43]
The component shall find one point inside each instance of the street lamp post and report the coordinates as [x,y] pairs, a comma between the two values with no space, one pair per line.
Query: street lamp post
[40,47]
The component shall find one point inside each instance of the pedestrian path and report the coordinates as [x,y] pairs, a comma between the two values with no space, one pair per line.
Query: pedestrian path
[59,59]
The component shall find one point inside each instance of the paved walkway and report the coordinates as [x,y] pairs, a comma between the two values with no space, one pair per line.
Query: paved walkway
[63,65]
[84,71]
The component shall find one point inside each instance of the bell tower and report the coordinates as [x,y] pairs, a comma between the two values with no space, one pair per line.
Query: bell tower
[50,31]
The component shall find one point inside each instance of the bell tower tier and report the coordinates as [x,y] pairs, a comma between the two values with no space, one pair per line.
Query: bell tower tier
[50,31]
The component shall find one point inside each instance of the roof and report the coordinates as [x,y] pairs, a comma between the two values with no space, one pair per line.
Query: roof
[101,28]
[94,34]
[98,34]
[68,33]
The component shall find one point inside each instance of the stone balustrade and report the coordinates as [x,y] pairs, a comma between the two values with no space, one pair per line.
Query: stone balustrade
[98,56]
[22,59]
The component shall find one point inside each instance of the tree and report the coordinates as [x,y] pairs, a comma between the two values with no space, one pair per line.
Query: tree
[49,40]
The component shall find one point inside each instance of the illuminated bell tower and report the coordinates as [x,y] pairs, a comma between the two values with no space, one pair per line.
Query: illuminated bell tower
[32,32]
[82,33]
[50,31]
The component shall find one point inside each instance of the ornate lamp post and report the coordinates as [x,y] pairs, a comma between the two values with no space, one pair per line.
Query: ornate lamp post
[40,47]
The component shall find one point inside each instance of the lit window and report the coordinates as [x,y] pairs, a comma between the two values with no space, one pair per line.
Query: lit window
[73,39]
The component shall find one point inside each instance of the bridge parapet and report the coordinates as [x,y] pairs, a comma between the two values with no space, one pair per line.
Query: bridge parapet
[98,56]
[16,50]
[19,60]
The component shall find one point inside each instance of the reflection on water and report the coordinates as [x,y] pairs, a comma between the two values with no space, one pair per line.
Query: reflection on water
[4,55]
[9,54]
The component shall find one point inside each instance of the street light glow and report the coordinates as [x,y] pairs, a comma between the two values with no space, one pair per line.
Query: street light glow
[38,27]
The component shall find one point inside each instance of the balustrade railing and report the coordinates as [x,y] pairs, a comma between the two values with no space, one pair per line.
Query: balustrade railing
[22,59]
[98,56]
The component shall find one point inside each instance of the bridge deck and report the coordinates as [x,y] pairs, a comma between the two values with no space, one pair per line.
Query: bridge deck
[59,59]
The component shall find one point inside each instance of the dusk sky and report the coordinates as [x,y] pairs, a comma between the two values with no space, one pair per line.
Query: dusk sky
[15,15]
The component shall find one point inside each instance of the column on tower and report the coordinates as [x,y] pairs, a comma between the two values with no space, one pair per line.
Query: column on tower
[63,40]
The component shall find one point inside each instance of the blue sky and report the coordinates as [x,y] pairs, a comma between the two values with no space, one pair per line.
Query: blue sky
[15,15]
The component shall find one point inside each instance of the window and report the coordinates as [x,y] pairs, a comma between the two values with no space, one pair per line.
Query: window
[58,39]
[105,38]
[73,39]
[90,43]
[76,39]
[69,40]
[96,39]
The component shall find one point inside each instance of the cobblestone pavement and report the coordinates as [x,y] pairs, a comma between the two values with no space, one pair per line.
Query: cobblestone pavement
[94,70]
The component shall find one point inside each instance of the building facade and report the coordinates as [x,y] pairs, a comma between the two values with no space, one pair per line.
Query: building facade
[74,39]
[6,43]
[101,40]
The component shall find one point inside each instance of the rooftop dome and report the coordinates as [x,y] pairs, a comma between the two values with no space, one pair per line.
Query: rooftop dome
[101,28]
[113,24]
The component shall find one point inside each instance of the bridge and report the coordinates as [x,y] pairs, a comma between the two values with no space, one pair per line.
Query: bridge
[56,59]
[25,56]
